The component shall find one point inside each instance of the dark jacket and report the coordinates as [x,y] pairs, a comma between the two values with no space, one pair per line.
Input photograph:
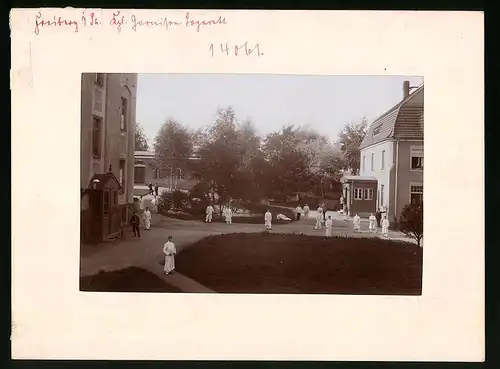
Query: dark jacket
[135,220]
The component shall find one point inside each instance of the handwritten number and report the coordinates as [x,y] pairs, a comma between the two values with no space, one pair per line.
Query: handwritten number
[226,49]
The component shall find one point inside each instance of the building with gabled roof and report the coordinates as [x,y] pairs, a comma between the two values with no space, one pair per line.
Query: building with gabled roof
[392,156]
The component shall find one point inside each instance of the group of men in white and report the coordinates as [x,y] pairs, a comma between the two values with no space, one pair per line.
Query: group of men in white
[322,220]
[145,213]
[227,213]
[372,224]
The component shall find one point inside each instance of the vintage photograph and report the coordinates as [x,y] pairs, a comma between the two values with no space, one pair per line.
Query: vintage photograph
[248,183]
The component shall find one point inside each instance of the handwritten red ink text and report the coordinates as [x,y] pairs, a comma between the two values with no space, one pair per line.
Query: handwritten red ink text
[91,19]
[199,23]
[162,22]
[118,21]
[55,22]
[235,50]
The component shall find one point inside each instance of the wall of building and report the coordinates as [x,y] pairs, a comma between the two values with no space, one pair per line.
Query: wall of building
[362,207]
[104,101]
[120,143]
[165,180]
[406,176]
[383,176]
[92,104]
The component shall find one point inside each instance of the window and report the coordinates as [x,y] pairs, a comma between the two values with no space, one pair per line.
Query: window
[180,173]
[376,130]
[364,163]
[106,202]
[373,162]
[417,158]
[158,174]
[115,197]
[122,174]
[99,79]
[358,194]
[140,174]
[368,194]
[382,163]
[123,118]
[416,193]
[381,195]
[96,137]
[98,101]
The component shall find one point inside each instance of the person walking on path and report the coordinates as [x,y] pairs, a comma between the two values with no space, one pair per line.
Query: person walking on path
[268,217]
[319,219]
[229,215]
[147,219]
[156,189]
[169,251]
[298,210]
[134,222]
[306,211]
[150,186]
[372,220]
[328,226]
[356,221]
[154,202]
[209,213]
[385,227]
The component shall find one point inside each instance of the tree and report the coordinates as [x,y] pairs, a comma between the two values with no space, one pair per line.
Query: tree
[350,139]
[173,147]
[141,142]
[288,168]
[220,151]
[411,221]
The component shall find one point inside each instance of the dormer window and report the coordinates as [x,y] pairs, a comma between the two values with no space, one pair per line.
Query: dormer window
[376,130]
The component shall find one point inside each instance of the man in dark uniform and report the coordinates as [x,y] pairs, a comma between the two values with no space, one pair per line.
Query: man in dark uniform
[378,216]
[135,221]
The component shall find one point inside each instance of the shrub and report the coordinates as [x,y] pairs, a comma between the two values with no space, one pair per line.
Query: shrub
[411,221]
[175,200]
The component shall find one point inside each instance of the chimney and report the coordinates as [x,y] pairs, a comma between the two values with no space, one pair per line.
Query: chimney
[406,89]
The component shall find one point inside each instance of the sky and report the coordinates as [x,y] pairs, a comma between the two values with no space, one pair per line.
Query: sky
[323,103]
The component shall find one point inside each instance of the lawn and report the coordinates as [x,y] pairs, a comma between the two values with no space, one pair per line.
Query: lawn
[131,279]
[246,219]
[286,263]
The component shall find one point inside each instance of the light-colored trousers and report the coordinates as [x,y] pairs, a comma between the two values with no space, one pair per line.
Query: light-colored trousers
[371,226]
[169,263]
[208,218]
[318,223]
[267,223]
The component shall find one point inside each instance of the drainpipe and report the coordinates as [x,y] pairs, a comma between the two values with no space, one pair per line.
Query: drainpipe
[106,156]
[396,181]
